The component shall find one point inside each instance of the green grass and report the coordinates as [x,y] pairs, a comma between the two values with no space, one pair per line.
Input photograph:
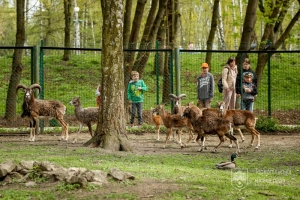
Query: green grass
[275,172]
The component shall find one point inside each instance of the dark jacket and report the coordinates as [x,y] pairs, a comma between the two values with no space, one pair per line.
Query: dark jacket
[249,96]
[240,77]
[205,86]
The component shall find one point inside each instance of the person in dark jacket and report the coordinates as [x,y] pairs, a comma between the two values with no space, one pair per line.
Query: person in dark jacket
[205,87]
[249,92]
[240,79]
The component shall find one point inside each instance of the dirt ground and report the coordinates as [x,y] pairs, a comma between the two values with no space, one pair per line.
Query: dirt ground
[146,144]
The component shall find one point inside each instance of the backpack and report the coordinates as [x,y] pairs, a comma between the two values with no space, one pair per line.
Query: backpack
[219,83]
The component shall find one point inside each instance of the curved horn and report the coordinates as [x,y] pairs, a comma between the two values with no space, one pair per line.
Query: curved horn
[172,96]
[20,86]
[182,95]
[33,86]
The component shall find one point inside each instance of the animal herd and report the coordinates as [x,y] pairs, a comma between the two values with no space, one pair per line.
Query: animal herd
[36,109]
[199,122]
[205,121]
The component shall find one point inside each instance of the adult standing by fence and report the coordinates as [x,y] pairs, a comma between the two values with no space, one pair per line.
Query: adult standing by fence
[229,74]
[205,87]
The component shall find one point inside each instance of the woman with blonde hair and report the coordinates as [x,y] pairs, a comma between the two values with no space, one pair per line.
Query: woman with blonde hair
[229,74]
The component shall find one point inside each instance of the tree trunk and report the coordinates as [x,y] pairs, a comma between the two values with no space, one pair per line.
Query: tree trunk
[144,44]
[142,57]
[67,13]
[277,13]
[17,67]
[248,30]
[234,26]
[134,36]
[221,29]
[111,126]
[127,20]
[212,33]
[161,39]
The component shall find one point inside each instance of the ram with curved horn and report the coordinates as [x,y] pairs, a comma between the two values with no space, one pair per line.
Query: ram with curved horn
[38,108]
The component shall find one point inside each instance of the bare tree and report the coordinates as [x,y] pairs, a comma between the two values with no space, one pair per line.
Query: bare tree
[17,67]
[111,123]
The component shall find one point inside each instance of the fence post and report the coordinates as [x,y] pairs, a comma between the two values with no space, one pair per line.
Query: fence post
[35,75]
[269,85]
[157,72]
[177,71]
[42,123]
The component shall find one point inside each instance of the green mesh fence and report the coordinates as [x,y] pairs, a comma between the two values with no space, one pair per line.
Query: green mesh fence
[81,74]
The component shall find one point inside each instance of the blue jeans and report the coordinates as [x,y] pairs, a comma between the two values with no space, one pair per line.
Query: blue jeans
[139,107]
[247,105]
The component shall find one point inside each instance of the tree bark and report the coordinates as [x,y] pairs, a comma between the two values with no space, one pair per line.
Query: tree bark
[17,67]
[111,126]
[142,57]
[127,19]
[276,10]
[212,33]
[67,13]
[248,30]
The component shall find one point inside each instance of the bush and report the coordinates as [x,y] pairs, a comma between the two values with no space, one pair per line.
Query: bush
[267,124]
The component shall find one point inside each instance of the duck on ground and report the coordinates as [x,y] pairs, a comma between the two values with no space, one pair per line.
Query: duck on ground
[228,165]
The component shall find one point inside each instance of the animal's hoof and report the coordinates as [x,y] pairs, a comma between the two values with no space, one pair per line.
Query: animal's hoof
[214,151]
[256,147]
[200,150]
[230,146]
[205,148]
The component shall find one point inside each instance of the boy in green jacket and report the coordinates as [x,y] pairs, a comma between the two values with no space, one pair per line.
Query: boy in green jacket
[135,94]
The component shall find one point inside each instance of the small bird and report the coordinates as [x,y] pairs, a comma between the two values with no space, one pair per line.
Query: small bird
[253,45]
[227,165]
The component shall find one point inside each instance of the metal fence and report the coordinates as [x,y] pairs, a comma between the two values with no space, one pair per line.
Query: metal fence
[80,76]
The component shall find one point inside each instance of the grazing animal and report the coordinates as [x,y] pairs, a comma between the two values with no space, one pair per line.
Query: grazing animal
[241,117]
[173,122]
[87,116]
[215,112]
[38,108]
[228,165]
[177,109]
[210,125]
[157,121]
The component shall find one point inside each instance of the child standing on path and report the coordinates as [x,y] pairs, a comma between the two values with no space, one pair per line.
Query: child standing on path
[135,94]
[249,92]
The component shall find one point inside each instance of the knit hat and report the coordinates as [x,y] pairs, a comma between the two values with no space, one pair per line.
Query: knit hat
[248,74]
[204,65]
